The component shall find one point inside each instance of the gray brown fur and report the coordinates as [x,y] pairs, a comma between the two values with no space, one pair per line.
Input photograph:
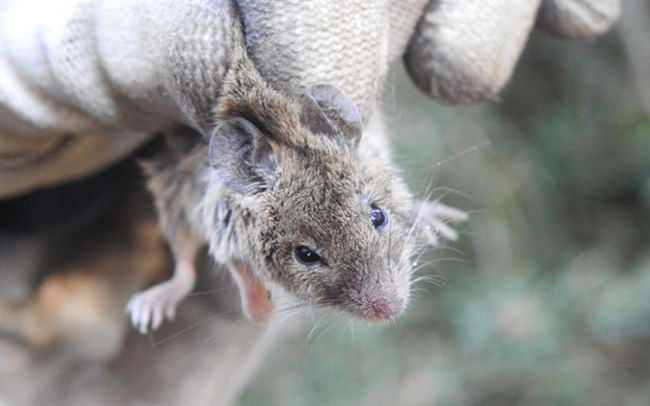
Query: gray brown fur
[295,183]
[175,182]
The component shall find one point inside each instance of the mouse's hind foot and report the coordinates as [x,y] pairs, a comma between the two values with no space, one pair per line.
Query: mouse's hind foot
[150,308]
[433,220]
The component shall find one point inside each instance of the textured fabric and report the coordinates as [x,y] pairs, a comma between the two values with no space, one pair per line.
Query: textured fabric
[299,43]
[84,82]
[104,75]
[471,61]
[578,18]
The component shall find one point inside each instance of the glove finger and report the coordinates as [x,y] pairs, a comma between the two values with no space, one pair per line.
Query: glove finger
[465,51]
[403,17]
[298,44]
[578,18]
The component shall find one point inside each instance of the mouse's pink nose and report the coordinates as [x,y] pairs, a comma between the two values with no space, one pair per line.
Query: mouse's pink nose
[384,309]
[381,310]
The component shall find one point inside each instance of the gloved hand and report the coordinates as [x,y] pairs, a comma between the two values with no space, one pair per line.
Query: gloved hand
[457,51]
[110,73]
[464,52]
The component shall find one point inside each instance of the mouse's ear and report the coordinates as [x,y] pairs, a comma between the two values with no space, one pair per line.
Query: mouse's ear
[241,155]
[325,110]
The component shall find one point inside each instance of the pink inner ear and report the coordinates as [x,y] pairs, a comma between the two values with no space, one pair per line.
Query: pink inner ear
[254,295]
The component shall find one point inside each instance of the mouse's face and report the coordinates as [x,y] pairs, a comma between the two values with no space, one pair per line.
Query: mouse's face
[338,233]
[329,227]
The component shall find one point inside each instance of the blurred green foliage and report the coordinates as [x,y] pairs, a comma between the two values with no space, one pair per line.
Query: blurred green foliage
[546,299]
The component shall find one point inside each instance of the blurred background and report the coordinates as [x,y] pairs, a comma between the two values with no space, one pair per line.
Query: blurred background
[546,299]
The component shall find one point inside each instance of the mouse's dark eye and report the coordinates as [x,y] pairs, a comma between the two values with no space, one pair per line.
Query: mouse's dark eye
[378,216]
[307,256]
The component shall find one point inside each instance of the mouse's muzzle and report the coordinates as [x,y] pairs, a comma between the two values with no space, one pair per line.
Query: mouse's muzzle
[379,302]
[383,309]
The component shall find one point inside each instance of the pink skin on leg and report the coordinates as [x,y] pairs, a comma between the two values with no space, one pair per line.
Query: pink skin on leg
[254,295]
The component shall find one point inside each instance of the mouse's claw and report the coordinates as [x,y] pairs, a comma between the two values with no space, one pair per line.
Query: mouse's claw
[146,308]
[150,308]
[433,221]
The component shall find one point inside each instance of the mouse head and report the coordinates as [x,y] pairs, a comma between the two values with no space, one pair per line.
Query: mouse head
[324,221]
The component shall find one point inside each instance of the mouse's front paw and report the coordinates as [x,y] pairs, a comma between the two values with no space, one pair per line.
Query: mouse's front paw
[150,308]
[433,219]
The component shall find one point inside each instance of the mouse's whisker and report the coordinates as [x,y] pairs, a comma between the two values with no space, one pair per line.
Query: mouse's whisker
[437,260]
[452,259]
[297,307]
[212,291]
[190,328]
[432,279]
[315,326]
[389,252]
[289,305]
[288,309]
[416,291]
[449,191]
[288,315]
[450,248]
[327,328]
[421,252]
[352,325]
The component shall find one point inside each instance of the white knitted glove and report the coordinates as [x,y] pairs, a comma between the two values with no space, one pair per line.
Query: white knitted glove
[465,51]
[458,51]
[84,82]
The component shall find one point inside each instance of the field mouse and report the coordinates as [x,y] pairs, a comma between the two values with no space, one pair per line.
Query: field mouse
[289,195]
